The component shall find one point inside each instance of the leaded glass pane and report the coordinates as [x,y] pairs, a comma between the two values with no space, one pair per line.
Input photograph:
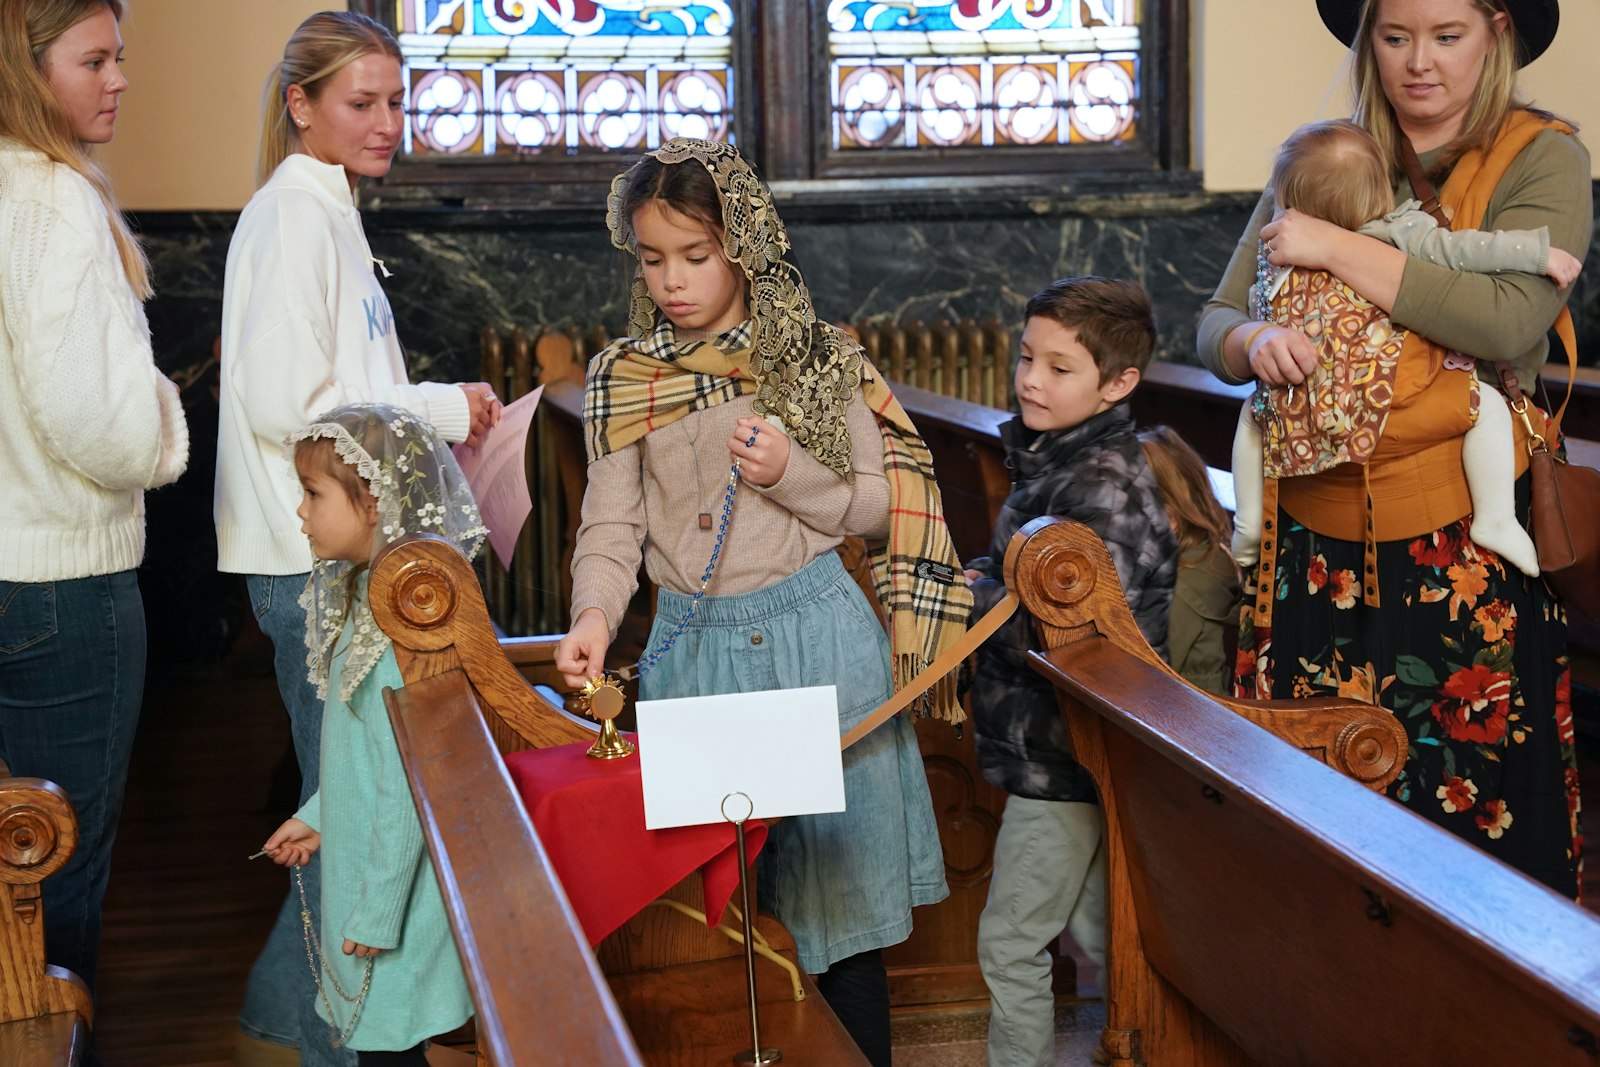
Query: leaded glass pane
[982,72]
[490,77]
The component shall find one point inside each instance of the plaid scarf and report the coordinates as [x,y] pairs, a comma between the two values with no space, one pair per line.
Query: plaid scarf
[805,372]
[642,384]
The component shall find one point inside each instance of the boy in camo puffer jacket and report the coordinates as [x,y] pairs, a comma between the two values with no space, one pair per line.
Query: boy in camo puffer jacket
[1073,453]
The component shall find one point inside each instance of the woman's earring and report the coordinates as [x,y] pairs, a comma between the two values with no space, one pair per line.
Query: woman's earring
[300,123]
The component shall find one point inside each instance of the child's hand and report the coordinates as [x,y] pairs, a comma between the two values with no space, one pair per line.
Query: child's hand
[762,451]
[360,951]
[1564,267]
[972,575]
[581,654]
[484,409]
[292,844]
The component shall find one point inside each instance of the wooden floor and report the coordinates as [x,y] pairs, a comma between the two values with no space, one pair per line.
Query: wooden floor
[186,913]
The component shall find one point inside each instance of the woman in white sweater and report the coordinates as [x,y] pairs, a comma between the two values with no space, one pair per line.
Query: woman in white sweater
[306,328]
[87,424]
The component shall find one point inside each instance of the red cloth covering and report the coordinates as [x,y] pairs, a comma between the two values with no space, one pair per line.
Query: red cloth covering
[590,817]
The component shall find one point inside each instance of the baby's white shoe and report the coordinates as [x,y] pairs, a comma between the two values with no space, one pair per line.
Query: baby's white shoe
[1508,540]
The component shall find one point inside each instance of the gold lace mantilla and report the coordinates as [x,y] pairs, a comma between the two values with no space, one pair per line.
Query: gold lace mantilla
[805,371]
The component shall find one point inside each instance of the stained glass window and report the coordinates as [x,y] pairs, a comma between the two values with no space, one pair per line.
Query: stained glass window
[982,72]
[496,77]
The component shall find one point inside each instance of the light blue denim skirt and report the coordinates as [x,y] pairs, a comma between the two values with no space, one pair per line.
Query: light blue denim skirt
[846,882]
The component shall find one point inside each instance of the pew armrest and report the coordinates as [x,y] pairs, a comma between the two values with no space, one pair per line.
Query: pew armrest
[1070,587]
[1264,910]
[44,1010]
[500,891]
[426,598]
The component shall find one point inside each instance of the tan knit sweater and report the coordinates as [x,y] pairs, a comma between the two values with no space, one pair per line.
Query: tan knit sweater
[648,497]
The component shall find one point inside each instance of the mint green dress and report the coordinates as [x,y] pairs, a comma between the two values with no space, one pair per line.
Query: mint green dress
[378,885]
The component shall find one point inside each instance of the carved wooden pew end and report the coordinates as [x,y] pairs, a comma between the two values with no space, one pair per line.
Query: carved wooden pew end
[45,1011]
[1073,593]
[676,988]
[1264,910]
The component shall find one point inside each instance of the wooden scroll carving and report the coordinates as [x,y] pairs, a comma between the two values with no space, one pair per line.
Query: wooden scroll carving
[1061,566]
[537,987]
[38,832]
[1265,911]
[426,597]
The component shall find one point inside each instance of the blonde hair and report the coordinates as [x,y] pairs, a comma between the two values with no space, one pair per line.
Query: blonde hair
[319,48]
[1197,518]
[1493,97]
[32,115]
[317,455]
[1333,170]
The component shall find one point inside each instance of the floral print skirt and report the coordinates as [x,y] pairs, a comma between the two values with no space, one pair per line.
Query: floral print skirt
[1469,654]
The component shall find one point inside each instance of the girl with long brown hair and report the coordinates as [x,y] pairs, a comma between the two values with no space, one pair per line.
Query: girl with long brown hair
[1206,590]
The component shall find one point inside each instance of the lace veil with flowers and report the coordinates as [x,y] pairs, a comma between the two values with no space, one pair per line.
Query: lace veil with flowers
[420,490]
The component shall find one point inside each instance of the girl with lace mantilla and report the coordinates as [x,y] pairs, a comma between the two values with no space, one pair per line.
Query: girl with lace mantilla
[387,973]
[728,363]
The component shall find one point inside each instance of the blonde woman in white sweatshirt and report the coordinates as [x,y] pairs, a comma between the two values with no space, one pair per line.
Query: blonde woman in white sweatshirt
[307,328]
[87,424]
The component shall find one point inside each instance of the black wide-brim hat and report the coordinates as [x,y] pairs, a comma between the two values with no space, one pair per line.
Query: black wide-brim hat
[1535,22]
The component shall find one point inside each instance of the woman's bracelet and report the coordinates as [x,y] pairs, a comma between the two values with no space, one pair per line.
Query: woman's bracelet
[1250,340]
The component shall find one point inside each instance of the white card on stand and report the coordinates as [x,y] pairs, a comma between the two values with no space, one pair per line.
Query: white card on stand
[779,747]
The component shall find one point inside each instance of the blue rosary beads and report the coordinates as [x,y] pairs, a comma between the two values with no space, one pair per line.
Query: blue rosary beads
[649,661]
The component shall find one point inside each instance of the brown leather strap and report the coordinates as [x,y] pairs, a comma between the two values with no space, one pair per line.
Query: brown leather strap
[1508,382]
[1420,183]
[947,662]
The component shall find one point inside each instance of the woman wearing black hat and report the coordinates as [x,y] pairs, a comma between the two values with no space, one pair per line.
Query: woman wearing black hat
[1369,585]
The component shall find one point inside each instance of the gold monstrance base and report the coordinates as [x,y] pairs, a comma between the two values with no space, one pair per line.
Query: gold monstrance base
[602,699]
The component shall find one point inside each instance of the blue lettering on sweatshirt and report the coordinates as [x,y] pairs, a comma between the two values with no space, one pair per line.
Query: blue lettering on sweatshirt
[379,317]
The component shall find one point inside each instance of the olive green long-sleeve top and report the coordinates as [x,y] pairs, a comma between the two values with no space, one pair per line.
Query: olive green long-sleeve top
[1205,600]
[1490,316]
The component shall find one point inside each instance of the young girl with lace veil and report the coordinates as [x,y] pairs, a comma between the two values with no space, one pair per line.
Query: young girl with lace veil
[735,441]
[387,973]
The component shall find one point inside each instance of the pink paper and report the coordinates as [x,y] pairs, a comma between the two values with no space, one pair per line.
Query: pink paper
[497,473]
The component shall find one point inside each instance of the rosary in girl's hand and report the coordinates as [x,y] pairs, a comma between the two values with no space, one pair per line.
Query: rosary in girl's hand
[319,967]
[648,661]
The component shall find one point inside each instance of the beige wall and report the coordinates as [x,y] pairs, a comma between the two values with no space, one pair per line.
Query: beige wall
[190,122]
[186,138]
[1262,67]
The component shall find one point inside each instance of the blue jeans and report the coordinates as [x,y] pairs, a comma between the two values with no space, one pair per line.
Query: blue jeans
[72,662]
[280,1003]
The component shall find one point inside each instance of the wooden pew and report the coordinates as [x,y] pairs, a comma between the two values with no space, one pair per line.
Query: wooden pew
[965,441]
[45,1011]
[663,990]
[1583,413]
[1264,909]
[937,966]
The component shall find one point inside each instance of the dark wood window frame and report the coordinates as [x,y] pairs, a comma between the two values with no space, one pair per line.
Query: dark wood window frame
[778,44]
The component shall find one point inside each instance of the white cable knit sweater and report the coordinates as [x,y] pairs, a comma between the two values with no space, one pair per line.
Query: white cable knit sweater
[305,328]
[87,422]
